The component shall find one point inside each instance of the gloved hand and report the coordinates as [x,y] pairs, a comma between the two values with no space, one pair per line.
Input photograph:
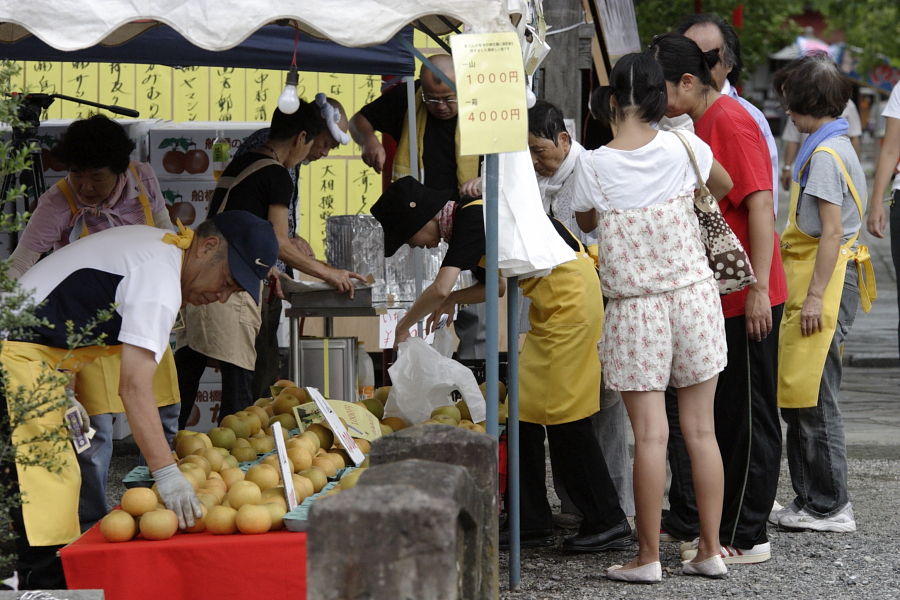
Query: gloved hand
[177,494]
[82,413]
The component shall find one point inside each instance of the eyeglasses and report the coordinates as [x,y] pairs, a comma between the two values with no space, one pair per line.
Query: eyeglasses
[436,101]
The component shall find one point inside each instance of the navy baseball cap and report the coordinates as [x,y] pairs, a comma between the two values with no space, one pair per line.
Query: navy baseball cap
[252,248]
[404,208]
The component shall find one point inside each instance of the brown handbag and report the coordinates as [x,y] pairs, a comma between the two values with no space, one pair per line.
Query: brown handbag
[727,259]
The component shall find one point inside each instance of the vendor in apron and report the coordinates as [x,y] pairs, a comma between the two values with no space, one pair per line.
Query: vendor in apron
[829,275]
[559,376]
[103,189]
[148,280]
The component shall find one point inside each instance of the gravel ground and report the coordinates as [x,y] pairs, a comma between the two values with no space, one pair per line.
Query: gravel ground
[804,565]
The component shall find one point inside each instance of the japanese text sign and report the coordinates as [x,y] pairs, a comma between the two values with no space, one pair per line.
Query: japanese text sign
[490,89]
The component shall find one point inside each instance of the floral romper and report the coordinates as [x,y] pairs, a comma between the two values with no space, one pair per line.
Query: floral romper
[664,323]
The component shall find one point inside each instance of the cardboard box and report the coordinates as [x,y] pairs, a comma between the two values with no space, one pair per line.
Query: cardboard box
[51,130]
[208,403]
[184,150]
[187,199]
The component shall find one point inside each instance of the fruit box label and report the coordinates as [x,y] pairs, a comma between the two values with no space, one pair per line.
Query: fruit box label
[337,427]
[359,421]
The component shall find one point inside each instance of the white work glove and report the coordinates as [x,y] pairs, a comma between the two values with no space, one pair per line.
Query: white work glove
[177,494]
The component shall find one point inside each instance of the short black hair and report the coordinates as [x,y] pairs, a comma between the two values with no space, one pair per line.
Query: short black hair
[731,51]
[307,118]
[94,143]
[814,86]
[636,81]
[679,55]
[545,120]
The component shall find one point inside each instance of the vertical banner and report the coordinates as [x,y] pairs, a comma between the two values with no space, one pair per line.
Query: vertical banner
[80,80]
[363,188]
[45,77]
[490,87]
[263,88]
[117,84]
[328,187]
[190,94]
[227,91]
[154,91]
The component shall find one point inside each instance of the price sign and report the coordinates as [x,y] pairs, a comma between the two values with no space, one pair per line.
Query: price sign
[284,466]
[334,422]
[490,88]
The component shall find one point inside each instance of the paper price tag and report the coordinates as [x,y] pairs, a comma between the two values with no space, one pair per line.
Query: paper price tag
[334,422]
[387,327]
[490,88]
[284,467]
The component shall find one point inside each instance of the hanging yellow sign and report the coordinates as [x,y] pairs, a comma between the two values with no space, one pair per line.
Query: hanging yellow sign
[490,89]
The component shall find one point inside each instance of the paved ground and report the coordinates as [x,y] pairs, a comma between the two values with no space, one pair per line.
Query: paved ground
[864,564]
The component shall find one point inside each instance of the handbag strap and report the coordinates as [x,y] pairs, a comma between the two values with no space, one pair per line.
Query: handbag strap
[705,194]
[229,183]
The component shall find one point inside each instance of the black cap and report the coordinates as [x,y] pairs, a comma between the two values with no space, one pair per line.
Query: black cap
[404,208]
[252,247]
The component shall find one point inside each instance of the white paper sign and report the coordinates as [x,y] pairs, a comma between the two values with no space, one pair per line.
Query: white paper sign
[387,326]
[334,422]
[284,466]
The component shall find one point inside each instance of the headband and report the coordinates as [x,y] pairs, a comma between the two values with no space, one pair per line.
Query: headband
[331,117]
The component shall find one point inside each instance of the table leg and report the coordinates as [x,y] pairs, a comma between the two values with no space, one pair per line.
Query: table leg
[294,343]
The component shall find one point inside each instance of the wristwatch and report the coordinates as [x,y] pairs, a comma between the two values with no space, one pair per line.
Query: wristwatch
[787,167]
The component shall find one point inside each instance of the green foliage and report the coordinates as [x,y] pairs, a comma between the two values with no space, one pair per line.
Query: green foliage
[869,27]
[767,27]
[17,314]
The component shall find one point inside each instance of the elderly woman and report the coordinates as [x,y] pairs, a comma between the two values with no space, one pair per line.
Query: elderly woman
[103,189]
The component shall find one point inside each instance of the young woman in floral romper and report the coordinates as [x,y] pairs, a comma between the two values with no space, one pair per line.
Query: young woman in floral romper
[664,319]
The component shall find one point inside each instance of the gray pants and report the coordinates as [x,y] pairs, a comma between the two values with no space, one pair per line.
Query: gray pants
[816,452]
[610,427]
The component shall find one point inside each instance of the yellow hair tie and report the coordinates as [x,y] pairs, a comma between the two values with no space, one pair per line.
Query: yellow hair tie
[182,239]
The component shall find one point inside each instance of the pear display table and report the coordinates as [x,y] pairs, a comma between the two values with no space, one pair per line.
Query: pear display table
[190,565]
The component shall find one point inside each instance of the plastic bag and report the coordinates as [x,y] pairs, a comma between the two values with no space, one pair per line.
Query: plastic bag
[523,220]
[422,380]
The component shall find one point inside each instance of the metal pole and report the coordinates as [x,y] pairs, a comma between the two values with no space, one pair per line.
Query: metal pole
[512,430]
[413,138]
[293,334]
[491,288]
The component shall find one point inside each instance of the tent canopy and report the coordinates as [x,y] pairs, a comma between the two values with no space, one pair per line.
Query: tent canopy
[270,47]
[223,24]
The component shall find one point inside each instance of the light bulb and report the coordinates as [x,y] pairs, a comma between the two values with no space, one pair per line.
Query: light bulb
[288,102]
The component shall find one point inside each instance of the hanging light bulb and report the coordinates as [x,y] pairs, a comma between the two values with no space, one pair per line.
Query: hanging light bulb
[288,102]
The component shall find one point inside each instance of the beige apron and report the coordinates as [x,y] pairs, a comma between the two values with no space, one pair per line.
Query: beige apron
[225,331]
[801,359]
[97,384]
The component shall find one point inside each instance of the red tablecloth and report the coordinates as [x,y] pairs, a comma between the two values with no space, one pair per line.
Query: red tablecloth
[190,566]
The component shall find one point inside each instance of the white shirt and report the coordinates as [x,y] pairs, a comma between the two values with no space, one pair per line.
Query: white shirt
[130,267]
[892,110]
[607,179]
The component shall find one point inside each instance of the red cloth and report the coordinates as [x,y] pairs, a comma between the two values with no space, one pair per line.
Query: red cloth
[739,147]
[190,565]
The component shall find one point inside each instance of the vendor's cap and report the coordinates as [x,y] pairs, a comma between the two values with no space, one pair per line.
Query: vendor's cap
[404,208]
[252,247]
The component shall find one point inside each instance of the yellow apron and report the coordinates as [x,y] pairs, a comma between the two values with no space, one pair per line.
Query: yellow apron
[559,370]
[49,500]
[97,384]
[801,359]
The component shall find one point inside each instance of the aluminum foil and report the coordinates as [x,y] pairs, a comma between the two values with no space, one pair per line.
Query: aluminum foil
[356,243]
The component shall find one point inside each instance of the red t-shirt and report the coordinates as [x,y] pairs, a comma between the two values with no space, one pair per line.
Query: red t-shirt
[740,148]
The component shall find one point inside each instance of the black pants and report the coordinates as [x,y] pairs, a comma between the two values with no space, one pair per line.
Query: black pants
[268,365]
[895,246]
[236,392]
[582,469]
[39,567]
[749,436]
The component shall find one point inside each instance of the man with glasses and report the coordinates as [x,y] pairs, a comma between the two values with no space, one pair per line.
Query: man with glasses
[437,144]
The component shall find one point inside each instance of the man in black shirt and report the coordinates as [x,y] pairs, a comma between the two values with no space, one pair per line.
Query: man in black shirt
[437,143]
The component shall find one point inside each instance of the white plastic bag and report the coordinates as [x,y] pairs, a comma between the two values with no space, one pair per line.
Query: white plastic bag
[422,380]
[522,218]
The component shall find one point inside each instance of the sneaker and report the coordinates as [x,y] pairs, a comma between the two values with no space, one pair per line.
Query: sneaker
[731,555]
[840,522]
[776,511]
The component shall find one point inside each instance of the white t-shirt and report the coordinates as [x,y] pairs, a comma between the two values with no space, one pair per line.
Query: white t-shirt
[854,126]
[607,179]
[892,110]
[128,266]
